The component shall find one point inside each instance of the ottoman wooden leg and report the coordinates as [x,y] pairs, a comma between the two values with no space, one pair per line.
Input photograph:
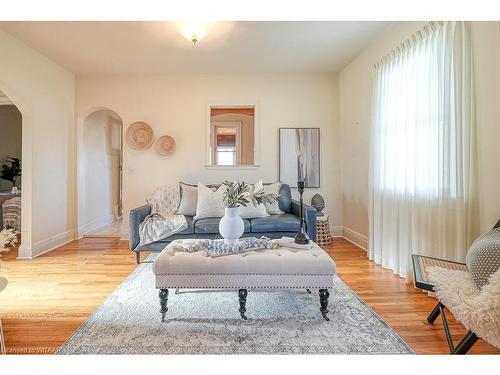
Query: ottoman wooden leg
[323,300]
[163,303]
[242,294]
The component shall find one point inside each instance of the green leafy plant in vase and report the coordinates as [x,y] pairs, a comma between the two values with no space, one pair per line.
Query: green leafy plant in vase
[11,170]
[238,194]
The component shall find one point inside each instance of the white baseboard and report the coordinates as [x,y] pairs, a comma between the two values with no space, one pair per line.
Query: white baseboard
[124,234]
[350,235]
[51,243]
[337,231]
[356,238]
[94,224]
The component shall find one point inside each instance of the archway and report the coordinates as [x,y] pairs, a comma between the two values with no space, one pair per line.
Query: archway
[25,247]
[99,170]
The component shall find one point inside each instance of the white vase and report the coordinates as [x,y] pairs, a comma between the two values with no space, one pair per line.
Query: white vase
[231,226]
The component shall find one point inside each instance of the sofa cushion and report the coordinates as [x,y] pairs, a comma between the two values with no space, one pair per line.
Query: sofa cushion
[275,223]
[188,199]
[285,201]
[251,211]
[274,207]
[190,227]
[483,257]
[210,203]
[211,225]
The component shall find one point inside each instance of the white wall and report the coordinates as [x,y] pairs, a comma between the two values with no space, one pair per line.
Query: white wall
[177,106]
[44,93]
[10,139]
[355,89]
[98,169]
[486,42]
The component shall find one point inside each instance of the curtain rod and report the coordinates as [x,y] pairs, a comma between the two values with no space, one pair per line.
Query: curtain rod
[425,31]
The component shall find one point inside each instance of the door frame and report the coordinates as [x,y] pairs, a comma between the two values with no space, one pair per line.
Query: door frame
[82,228]
[26,246]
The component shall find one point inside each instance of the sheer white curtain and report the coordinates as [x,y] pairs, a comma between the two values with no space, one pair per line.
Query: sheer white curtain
[422,174]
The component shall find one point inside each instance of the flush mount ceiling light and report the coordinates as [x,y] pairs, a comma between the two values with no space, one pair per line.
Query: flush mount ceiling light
[193,30]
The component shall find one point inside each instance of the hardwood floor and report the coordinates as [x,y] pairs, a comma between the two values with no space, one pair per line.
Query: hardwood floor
[50,296]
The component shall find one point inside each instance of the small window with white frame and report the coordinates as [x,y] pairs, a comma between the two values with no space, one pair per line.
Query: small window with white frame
[232,134]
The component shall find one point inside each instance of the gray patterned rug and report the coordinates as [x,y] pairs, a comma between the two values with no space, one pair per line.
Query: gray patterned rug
[208,322]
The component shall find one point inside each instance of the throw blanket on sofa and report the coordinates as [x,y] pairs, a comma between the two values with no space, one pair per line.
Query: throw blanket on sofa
[156,227]
[163,222]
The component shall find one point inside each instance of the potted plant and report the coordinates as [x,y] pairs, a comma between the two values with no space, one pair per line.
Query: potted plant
[238,194]
[11,169]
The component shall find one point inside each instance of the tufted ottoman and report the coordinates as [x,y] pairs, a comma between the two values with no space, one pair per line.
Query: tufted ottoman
[282,268]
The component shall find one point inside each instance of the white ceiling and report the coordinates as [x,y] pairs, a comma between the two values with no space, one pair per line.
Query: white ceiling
[230,47]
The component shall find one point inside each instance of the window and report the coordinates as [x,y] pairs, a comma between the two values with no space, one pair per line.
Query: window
[414,134]
[422,166]
[226,144]
[231,136]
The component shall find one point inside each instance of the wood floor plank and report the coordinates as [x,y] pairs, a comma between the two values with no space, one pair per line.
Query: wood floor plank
[49,297]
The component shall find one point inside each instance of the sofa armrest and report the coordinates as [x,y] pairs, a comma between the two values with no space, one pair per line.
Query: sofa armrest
[136,217]
[309,218]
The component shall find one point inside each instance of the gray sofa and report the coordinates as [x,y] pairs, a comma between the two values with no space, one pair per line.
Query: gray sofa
[273,226]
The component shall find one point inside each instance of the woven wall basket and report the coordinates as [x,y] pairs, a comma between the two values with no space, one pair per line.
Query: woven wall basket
[140,136]
[165,145]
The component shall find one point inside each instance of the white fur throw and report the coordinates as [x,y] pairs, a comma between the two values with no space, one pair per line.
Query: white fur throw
[477,309]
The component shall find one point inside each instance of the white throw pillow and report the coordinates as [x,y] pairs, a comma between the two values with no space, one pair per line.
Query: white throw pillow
[189,199]
[273,208]
[210,203]
[251,211]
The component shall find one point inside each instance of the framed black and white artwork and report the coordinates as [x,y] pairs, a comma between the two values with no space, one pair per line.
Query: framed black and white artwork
[299,156]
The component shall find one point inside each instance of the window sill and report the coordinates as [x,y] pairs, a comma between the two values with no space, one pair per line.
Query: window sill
[253,166]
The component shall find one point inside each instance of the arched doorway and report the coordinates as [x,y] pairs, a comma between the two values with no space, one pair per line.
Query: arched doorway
[10,165]
[11,98]
[99,167]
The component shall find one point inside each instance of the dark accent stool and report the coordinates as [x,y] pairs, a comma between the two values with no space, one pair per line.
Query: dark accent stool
[242,294]
[163,303]
[323,300]
[463,346]
[137,257]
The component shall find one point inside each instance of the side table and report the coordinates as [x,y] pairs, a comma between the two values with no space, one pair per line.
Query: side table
[323,235]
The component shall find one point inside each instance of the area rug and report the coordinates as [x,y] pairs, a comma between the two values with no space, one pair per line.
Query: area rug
[208,322]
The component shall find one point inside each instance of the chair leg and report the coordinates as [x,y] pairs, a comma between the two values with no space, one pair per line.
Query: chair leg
[137,257]
[467,342]
[3,349]
[434,313]
[447,332]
